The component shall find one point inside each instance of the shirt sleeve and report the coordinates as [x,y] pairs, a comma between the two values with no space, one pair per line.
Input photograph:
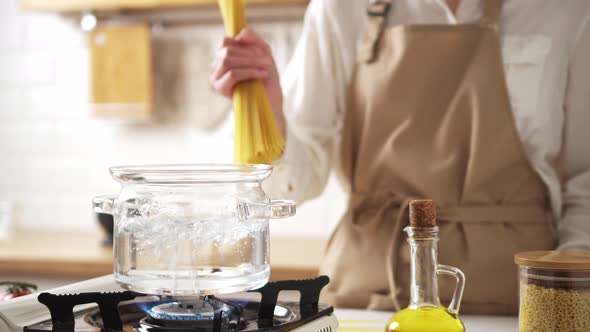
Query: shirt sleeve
[312,84]
[574,227]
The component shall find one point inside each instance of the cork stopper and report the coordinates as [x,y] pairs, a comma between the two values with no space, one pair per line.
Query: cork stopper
[423,213]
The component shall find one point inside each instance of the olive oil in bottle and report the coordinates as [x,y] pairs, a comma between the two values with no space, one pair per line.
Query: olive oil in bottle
[425,313]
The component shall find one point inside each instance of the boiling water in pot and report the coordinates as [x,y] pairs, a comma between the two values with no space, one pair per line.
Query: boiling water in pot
[191,257]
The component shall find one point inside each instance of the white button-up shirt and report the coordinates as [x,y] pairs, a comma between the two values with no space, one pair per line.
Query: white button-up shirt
[546,53]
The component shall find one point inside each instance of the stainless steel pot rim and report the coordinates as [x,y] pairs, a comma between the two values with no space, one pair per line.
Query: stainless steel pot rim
[191,173]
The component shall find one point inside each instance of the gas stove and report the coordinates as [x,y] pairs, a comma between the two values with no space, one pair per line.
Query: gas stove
[98,305]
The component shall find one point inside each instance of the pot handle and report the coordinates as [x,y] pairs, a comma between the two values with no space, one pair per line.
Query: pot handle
[104,204]
[276,209]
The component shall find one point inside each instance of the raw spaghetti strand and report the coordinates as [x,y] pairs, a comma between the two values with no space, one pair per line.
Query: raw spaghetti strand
[258,139]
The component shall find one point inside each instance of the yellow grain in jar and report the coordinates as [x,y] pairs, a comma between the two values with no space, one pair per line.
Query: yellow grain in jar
[554,291]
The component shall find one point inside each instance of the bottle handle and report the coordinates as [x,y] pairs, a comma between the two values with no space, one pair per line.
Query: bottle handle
[276,209]
[458,293]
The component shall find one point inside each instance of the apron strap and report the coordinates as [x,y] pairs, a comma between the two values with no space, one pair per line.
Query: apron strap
[492,11]
[378,11]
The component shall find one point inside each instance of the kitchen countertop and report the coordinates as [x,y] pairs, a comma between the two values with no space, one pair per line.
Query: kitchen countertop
[349,320]
[71,254]
[374,321]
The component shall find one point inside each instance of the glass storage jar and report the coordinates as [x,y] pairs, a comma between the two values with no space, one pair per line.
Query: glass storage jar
[554,291]
[188,230]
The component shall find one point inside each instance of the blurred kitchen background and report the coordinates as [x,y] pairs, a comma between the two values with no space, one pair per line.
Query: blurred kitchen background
[76,98]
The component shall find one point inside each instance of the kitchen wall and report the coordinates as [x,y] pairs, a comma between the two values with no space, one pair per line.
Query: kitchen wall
[54,154]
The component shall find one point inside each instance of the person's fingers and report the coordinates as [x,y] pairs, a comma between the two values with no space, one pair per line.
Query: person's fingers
[249,36]
[230,41]
[240,59]
[248,39]
[228,81]
[237,50]
[234,62]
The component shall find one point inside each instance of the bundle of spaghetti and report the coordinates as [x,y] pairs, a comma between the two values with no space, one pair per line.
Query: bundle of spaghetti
[257,139]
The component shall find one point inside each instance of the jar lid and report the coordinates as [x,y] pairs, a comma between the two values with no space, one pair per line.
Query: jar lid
[561,260]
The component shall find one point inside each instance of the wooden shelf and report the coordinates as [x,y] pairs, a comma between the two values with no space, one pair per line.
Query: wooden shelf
[116,5]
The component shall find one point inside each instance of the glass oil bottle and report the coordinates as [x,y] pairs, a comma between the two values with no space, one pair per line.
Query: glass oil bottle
[425,313]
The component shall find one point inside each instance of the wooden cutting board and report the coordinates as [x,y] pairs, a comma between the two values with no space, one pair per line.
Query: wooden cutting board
[122,81]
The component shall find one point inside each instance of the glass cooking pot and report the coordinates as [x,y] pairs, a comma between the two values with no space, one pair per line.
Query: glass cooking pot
[190,230]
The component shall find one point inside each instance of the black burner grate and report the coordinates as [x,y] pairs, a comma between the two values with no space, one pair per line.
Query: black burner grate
[227,317]
[61,308]
[310,297]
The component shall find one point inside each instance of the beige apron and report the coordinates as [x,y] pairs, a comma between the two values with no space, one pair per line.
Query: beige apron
[429,117]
